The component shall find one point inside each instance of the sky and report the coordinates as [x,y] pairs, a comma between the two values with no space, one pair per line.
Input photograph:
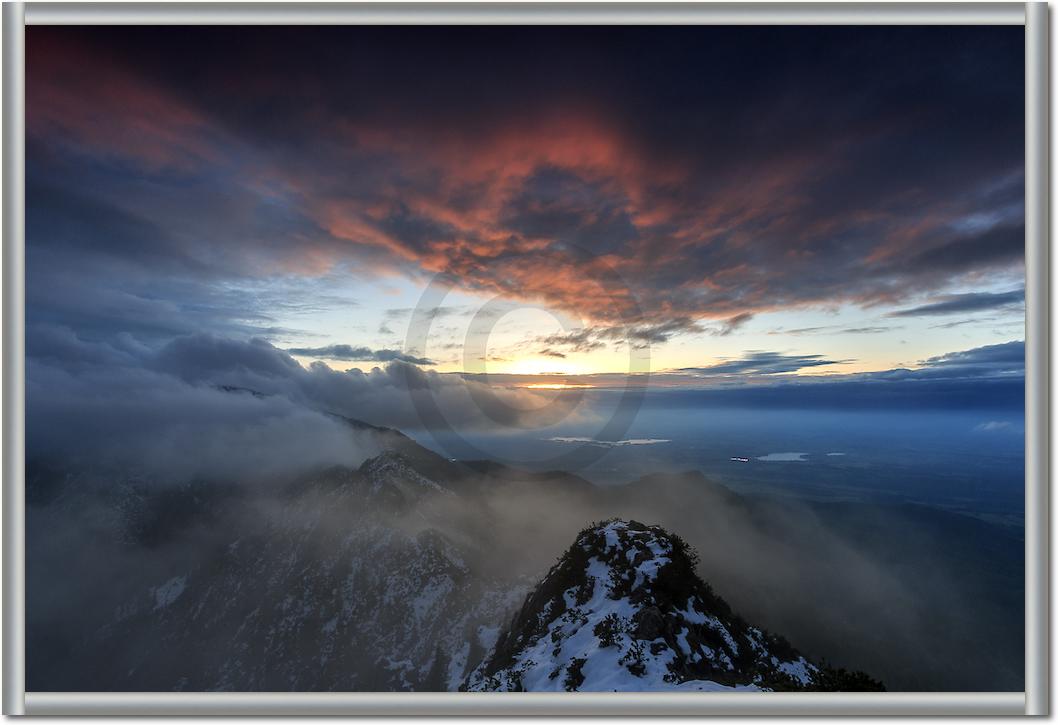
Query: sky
[707,204]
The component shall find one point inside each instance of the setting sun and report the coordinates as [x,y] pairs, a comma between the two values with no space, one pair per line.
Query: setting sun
[540,366]
[557,386]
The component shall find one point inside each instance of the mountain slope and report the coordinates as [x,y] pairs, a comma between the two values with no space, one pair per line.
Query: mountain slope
[624,610]
[346,579]
[401,574]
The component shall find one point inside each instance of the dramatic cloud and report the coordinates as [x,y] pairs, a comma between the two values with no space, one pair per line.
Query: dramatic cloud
[153,424]
[970,302]
[358,354]
[679,182]
[212,406]
[193,192]
[1003,360]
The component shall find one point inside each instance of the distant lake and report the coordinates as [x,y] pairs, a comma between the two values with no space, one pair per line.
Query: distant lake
[783,457]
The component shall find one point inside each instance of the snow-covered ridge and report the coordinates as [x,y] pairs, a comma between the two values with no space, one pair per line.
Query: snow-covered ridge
[624,610]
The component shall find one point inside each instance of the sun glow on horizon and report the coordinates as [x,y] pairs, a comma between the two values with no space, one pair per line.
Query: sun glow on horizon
[541,366]
[557,386]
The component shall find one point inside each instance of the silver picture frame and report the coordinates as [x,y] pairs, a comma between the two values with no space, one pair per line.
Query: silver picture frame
[1035,700]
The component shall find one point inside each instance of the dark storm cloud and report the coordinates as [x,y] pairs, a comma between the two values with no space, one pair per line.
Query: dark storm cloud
[358,354]
[969,302]
[1005,360]
[634,176]
[207,405]
[383,395]
[110,411]
[559,205]
[763,363]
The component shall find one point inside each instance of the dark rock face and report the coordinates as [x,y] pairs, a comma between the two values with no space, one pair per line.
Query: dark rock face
[649,624]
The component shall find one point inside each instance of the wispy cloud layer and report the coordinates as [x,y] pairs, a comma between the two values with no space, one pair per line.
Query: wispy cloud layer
[350,353]
[763,363]
[969,302]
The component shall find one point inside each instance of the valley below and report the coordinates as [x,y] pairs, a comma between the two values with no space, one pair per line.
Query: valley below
[411,572]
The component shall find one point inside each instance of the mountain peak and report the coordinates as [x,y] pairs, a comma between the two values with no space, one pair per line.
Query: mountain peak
[391,474]
[623,609]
